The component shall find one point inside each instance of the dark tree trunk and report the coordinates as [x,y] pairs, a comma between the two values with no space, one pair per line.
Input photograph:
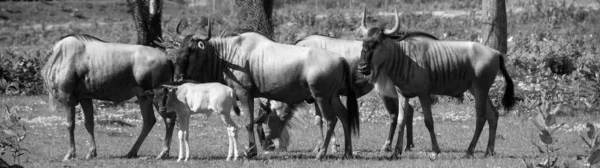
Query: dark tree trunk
[255,15]
[494,24]
[147,17]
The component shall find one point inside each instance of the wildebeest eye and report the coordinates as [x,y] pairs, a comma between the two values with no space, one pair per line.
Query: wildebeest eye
[201,45]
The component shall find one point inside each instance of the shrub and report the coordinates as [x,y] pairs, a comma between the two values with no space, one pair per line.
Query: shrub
[13,132]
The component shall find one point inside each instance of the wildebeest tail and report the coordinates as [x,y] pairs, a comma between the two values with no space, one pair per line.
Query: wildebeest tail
[509,93]
[236,109]
[60,52]
[351,103]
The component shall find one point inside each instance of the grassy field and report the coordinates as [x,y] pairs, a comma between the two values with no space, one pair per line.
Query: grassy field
[118,126]
[544,35]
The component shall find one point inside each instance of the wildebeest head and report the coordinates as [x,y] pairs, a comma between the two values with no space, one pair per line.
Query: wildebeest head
[372,37]
[275,123]
[193,47]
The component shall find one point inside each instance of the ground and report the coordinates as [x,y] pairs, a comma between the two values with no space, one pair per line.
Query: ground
[118,126]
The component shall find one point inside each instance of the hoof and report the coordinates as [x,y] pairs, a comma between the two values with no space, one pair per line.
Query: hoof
[163,155]
[92,154]
[433,155]
[69,156]
[348,156]
[409,147]
[320,155]
[386,148]
[489,154]
[250,154]
[130,155]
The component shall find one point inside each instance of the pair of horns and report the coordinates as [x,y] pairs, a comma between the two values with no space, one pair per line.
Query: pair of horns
[196,36]
[363,23]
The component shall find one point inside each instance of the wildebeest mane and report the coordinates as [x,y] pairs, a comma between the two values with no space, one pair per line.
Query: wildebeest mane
[409,34]
[314,34]
[83,37]
[402,35]
[237,32]
[177,83]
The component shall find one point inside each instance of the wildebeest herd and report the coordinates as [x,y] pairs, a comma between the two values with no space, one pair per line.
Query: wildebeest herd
[206,74]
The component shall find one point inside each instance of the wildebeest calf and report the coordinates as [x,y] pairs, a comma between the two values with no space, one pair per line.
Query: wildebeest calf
[187,98]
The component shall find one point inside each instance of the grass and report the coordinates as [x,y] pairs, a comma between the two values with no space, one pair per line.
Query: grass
[47,140]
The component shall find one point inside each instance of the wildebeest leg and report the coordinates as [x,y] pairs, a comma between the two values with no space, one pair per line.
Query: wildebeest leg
[70,109]
[232,135]
[247,106]
[342,115]
[402,123]
[148,120]
[427,114]
[183,123]
[391,105]
[330,119]
[408,112]
[319,122]
[480,107]
[261,132]
[88,113]
[492,118]
[169,118]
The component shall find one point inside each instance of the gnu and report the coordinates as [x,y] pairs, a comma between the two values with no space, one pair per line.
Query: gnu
[187,98]
[420,66]
[82,68]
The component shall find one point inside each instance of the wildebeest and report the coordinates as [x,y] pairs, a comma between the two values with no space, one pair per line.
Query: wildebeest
[420,66]
[187,98]
[256,66]
[350,50]
[83,67]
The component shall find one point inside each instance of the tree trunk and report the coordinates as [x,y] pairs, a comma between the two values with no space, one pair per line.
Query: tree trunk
[494,24]
[147,17]
[255,15]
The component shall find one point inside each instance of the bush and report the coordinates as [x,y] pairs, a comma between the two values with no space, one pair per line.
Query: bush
[20,72]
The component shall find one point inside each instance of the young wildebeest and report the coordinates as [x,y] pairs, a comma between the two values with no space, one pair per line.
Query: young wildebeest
[194,98]
[256,66]
[420,66]
[82,68]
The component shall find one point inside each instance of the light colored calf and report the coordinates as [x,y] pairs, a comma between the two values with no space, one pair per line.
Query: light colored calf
[194,98]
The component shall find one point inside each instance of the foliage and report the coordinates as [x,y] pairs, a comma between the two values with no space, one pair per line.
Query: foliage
[592,140]
[545,121]
[21,71]
[13,132]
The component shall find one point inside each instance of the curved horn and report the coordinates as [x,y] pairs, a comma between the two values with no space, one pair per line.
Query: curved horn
[178,29]
[209,31]
[396,26]
[363,20]
[197,37]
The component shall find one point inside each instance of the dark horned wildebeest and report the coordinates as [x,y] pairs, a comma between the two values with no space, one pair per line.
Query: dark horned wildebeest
[82,68]
[256,66]
[187,98]
[420,66]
